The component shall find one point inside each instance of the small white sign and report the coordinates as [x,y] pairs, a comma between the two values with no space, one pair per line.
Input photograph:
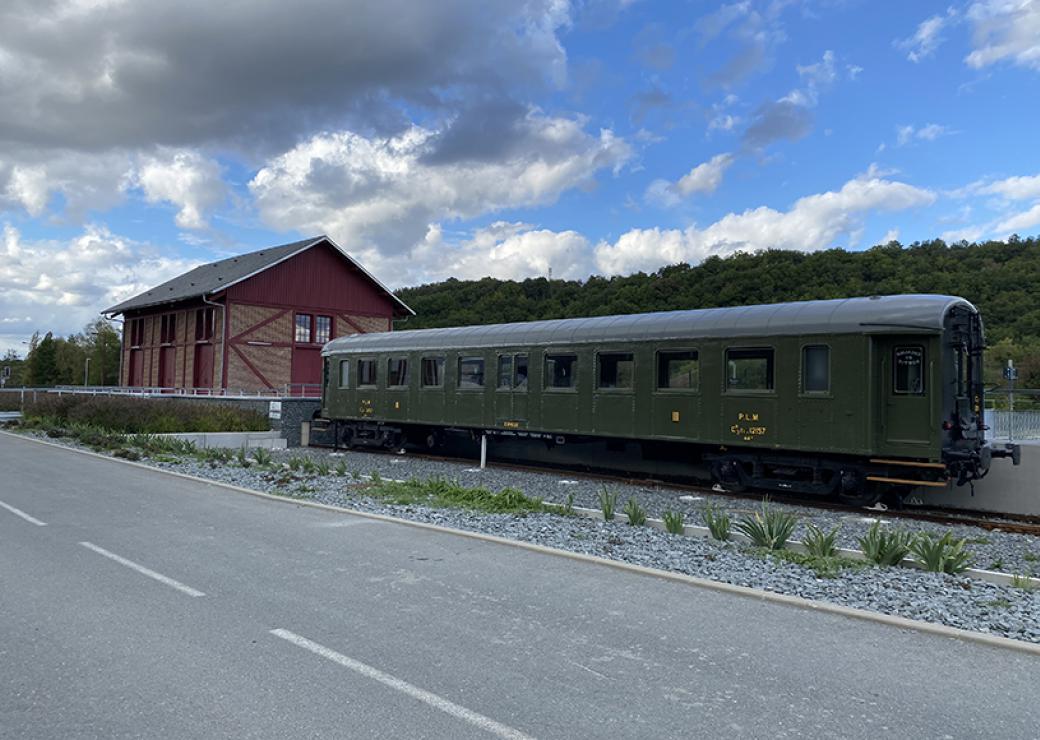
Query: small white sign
[275,410]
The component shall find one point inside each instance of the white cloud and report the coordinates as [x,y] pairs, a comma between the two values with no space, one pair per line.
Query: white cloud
[724,122]
[512,251]
[187,180]
[704,178]
[380,195]
[822,73]
[1012,188]
[1005,30]
[929,132]
[86,181]
[928,36]
[63,284]
[1020,222]
[813,222]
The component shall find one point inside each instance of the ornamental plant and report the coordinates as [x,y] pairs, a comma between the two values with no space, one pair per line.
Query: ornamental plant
[768,528]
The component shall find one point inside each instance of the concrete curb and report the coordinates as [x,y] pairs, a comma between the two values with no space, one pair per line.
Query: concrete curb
[940,630]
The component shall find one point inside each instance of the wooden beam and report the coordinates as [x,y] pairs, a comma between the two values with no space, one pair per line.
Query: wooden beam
[905,481]
[909,463]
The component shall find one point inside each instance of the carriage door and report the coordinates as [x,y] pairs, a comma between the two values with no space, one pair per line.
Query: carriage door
[905,423]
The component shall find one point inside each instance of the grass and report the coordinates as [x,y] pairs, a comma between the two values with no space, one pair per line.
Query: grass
[821,544]
[718,523]
[1023,582]
[140,415]
[941,554]
[636,514]
[607,504]
[1030,557]
[441,493]
[674,522]
[341,468]
[883,547]
[998,603]
[768,528]
[823,567]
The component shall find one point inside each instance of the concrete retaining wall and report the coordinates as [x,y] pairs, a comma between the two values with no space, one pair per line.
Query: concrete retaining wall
[232,440]
[1008,489]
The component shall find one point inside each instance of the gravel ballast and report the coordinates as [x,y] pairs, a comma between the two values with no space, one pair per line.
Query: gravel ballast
[956,601]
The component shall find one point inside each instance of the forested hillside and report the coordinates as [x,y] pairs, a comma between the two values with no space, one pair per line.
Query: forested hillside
[1002,278]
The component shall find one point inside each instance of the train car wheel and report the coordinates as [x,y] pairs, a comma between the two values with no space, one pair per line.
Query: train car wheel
[729,475]
[854,490]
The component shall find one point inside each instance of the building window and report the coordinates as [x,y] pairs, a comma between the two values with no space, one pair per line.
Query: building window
[678,370]
[749,369]
[322,329]
[136,332]
[432,372]
[303,328]
[366,373]
[397,372]
[615,370]
[471,372]
[816,369]
[168,328]
[204,325]
[908,363]
[559,371]
[505,372]
[344,373]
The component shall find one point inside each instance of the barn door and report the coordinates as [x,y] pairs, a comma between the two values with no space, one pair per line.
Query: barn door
[905,423]
[167,365]
[135,377]
[306,369]
[202,371]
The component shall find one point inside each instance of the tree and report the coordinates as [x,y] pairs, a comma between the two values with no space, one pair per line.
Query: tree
[42,361]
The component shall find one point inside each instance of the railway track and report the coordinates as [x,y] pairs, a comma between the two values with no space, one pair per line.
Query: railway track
[1000,522]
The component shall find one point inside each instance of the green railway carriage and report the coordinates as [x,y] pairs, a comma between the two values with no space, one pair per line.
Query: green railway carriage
[845,397]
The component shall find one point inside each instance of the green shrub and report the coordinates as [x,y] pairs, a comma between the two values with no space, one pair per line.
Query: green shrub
[941,554]
[323,468]
[885,548]
[341,468]
[376,477]
[243,458]
[607,504]
[821,544]
[309,466]
[673,522]
[717,521]
[768,528]
[142,415]
[295,462]
[635,513]
[262,457]
[438,492]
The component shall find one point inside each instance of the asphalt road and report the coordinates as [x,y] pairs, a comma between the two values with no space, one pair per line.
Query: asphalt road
[193,611]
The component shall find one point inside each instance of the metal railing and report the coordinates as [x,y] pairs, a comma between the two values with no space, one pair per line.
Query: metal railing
[289,390]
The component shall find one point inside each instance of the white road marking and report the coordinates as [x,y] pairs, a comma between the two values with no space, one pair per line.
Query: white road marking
[437,702]
[142,570]
[23,515]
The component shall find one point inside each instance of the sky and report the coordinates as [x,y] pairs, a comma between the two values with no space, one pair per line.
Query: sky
[511,138]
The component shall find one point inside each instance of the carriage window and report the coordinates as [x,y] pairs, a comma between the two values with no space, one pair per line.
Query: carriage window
[908,363]
[615,370]
[678,370]
[816,369]
[749,369]
[397,371]
[344,373]
[471,372]
[559,370]
[520,373]
[366,373]
[432,372]
[505,371]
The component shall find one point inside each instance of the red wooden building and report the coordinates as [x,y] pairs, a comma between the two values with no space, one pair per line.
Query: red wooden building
[252,322]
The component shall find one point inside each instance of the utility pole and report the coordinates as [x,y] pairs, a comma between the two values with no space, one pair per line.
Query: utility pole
[1011,375]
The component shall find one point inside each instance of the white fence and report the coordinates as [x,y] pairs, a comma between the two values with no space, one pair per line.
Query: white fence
[1013,425]
[294,390]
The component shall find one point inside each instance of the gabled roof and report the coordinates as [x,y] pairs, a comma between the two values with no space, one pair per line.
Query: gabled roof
[897,314]
[212,278]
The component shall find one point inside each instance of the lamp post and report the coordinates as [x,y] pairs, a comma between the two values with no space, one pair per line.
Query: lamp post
[86,371]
